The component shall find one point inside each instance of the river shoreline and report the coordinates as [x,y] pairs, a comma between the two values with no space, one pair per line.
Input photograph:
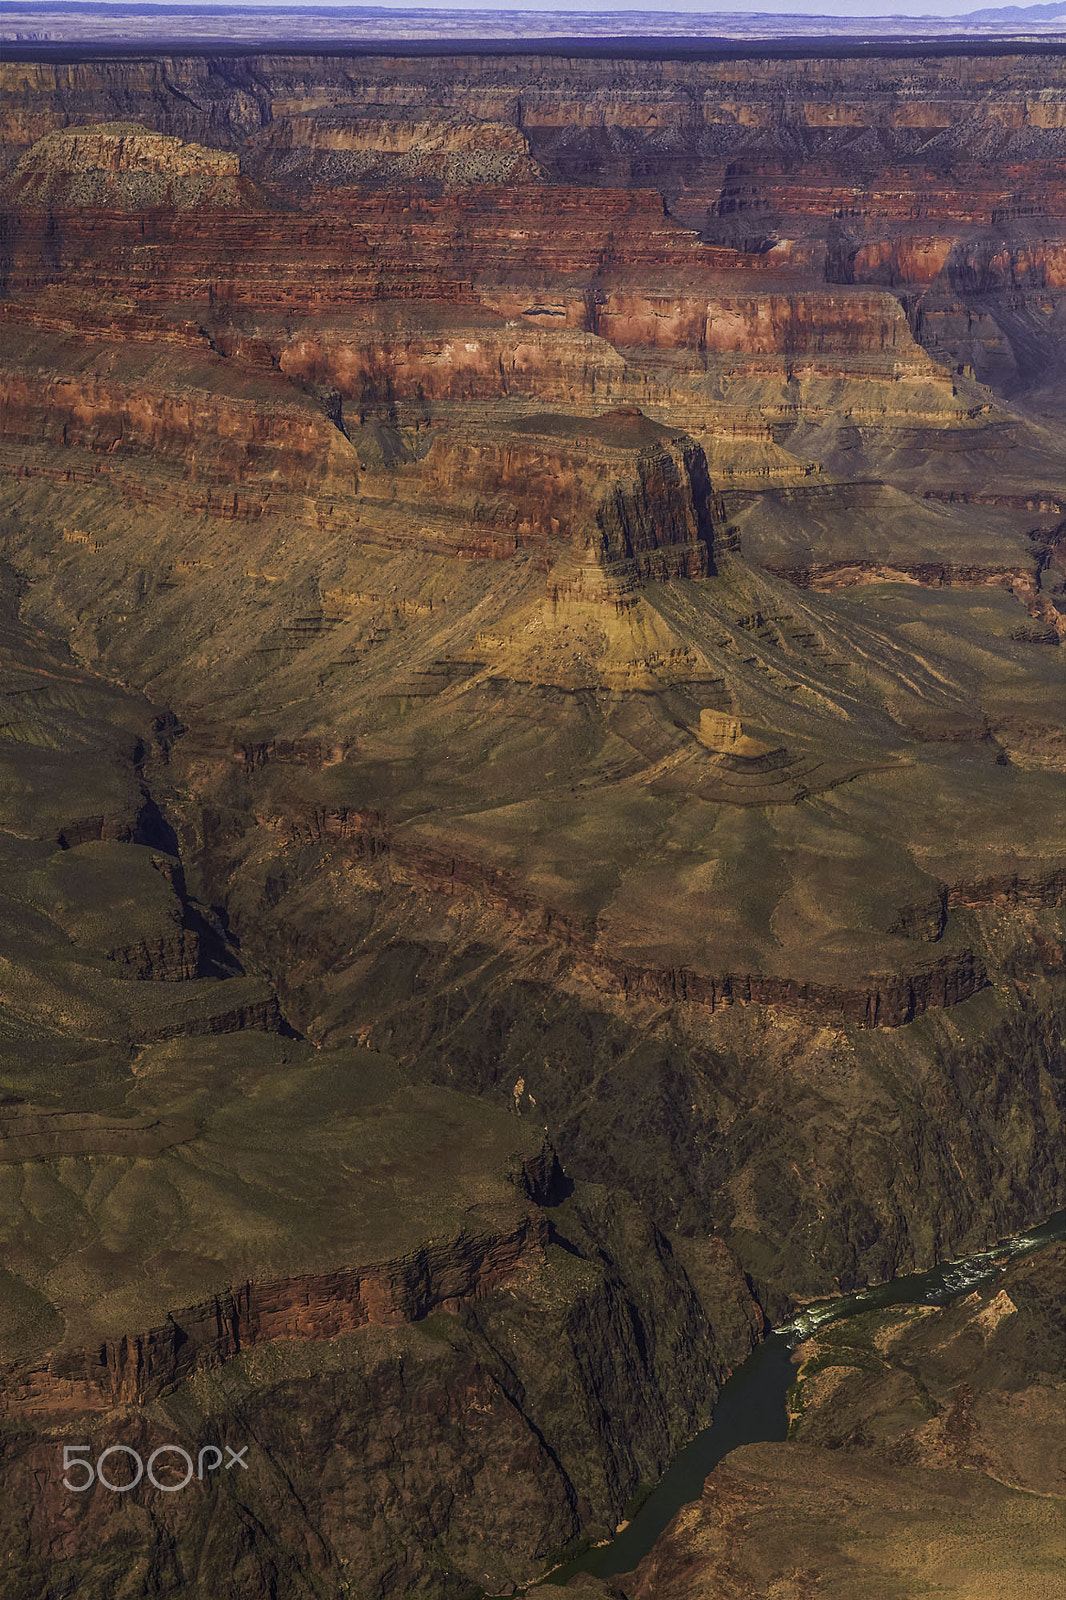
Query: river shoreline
[752,1405]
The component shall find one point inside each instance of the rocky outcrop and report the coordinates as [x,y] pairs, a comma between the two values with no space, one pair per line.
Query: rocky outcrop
[933,575]
[437,445]
[135,1368]
[160,959]
[887,1002]
[888,1005]
[123,167]
[935,1428]
[30,1133]
[204,444]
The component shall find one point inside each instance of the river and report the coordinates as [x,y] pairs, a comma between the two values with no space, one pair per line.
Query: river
[752,1404]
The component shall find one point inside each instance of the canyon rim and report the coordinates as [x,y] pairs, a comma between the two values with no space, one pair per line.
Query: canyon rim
[532,566]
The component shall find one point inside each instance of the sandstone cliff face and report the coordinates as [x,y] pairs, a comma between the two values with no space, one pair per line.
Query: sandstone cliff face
[187,431]
[894,165]
[448,458]
[134,1368]
[237,441]
[626,491]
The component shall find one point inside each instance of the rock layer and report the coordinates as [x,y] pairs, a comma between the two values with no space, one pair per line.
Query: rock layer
[562,586]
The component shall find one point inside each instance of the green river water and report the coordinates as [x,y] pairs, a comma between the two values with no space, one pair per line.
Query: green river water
[752,1404]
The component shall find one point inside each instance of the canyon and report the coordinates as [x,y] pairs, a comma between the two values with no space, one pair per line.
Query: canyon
[910,1454]
[531,795]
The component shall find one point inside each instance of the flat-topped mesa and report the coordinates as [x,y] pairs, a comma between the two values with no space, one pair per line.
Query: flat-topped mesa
[317,150]
[616,493]
[123,166]
[732,740]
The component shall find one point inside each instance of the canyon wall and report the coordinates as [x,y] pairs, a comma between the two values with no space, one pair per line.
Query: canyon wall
[915,1425]
[531,777]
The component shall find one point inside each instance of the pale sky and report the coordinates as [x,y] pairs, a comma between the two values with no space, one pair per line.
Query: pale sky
[819,8]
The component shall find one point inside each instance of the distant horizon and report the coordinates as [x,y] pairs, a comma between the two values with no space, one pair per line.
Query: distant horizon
[763,8]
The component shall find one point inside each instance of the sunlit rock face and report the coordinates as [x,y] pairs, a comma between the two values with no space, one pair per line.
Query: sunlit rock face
[532,767]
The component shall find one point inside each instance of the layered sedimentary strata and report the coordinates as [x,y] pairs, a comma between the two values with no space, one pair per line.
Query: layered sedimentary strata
[492,1267]
[478,1249]
[194,1196]
[583,564]
[225,447]
[125,165]
[936,175]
